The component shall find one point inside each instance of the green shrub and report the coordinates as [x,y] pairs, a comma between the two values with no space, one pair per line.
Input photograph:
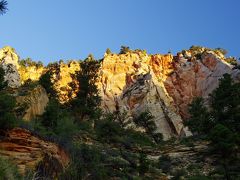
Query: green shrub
[134,138]
[124,50]
[8,170]
[46,81]
[87,161]
[108,131]
[143,164]
[7,117]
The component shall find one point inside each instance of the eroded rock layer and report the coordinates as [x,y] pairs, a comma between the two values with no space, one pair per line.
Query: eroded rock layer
[28,150]
[135,82]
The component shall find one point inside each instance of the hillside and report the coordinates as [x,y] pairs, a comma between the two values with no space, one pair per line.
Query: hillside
[131,86]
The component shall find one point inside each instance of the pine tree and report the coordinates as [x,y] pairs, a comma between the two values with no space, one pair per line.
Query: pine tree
[3,7]
[225,102]
[87,101]
[46,81]
[200,120]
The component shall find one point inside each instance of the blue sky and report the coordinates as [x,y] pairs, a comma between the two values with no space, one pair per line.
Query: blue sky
[49,30]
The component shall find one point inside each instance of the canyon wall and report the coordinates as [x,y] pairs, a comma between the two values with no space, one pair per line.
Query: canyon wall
[135,82]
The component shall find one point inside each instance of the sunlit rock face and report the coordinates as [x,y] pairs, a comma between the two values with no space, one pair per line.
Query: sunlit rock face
[62,78]
[9,62]
[134,83]
[34,102]
[32,73]
[196,77]
[27,150]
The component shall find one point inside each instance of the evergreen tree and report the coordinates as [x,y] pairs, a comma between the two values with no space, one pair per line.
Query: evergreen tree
[108,51]
[200,121]
[225,103]
[3,6]
[7,115]
[7,105]
[221,122]
[87,101]
[3,83]
[51,115]
[224,142]
[124,50]
[143,164]
[46,81]
[145,120]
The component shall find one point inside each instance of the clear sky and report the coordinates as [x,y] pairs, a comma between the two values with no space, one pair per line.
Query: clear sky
[49,30]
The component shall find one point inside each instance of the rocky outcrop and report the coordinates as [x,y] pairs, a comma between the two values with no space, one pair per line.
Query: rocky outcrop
[9,62]
[134,83]
[62,78]
[32,73]
[28,151]
[34,102]
[195,76]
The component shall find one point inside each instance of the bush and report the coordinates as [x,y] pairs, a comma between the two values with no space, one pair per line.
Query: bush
[8,170]
[124,50]
[46,81]
[134,138]
[143,164]
[7,117]
[108,131]
[86,163]
[200,120]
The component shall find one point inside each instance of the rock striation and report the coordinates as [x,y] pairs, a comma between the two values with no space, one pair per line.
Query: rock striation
[135,82]
[28,151]
[33,102]
[196,76]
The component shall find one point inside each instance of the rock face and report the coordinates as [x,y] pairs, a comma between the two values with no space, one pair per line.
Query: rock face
[134,83]
[193,77]
[33,73]
[35,101]
[28,150]
[62,79]
[9,62]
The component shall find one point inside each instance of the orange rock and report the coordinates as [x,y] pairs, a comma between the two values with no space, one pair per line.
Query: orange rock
[28,150]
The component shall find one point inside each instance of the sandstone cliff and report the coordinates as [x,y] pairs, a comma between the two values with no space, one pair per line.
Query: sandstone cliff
[28,150]
[33,101]
[135,82]
[195,76]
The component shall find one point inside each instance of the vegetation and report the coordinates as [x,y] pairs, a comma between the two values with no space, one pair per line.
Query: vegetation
[145,120]
[221,123]
[46,81]
[124,50]
[7,105]
[108,51]
[87,100]
[8,170]
[106,146]
[29,62]
[3,7]
[3,83]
